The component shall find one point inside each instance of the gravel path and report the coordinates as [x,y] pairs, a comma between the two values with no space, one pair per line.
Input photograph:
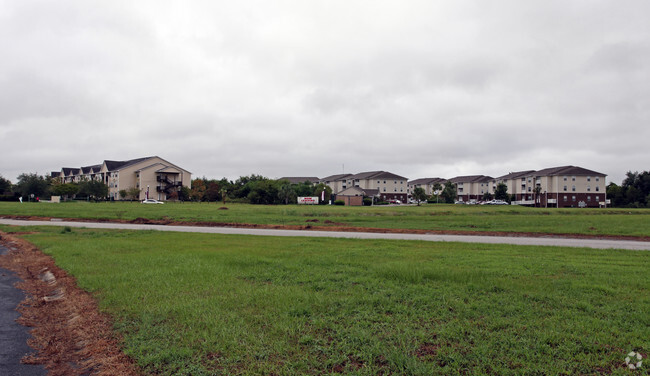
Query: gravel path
[542,241]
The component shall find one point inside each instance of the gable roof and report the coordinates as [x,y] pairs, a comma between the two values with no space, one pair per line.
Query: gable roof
[567,170]
[516,175]
[335,177]
[116,165]
[375,175]
[471,179]
[89,169]
[426,181]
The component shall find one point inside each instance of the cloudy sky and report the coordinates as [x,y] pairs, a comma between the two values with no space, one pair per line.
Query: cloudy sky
[314,88]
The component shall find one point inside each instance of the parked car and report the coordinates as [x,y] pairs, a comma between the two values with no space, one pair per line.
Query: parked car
[151,201]
[496,202]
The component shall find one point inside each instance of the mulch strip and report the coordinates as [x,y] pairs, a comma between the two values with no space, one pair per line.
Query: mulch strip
[69,334]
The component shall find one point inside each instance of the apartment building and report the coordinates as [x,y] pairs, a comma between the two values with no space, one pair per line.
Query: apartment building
[153,176]
[472,187]
[427,184]
[381,184]
[564,186]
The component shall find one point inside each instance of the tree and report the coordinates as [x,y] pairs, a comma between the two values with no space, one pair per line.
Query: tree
[437,189]
[65,190]
[93,189]
[449,192]
[184,194]
[29,184]
[286,192]
[419,194]
[123,193]
[537,190]
[501,192]
[264,192]
[487,196]
[318,191]
[198,190]
[133,193]
[5,186]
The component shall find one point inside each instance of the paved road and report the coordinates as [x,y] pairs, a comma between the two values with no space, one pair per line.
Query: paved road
[545,241]
[13,336]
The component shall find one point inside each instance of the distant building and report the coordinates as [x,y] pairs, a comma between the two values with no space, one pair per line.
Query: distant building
[565,186]
[425,183]
[473,187]
[153,176]
[381,184]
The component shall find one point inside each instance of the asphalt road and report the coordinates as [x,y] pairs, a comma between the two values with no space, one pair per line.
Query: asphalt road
[13,336]
[543,241]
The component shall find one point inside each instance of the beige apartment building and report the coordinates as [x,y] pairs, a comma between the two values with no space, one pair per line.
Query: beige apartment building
[471,188]
[381,184]
[427,184]
[565,186]
[155,177]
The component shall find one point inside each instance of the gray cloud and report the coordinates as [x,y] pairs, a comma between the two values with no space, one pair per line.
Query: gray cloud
[300,88]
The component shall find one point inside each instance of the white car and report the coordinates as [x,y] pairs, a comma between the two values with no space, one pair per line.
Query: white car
[151,201]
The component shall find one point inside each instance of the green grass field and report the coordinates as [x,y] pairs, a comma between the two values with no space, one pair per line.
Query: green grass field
[629,222]
[199,304]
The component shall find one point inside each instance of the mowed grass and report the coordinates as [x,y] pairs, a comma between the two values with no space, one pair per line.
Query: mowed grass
[479,218]
[200,304]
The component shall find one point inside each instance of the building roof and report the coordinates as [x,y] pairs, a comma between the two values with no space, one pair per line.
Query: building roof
[567,170]
[89,169]
[116,165]
[426,181]
[70,171]
[335,177]
[471,179]
[516,175]
[375,175]
[298,179]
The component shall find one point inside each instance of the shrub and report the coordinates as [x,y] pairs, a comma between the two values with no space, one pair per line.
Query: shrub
[339,202]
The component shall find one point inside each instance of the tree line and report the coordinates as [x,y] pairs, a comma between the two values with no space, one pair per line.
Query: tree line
[634,192]
[257,189]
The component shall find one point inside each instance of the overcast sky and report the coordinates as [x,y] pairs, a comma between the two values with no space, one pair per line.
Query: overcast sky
[315,88]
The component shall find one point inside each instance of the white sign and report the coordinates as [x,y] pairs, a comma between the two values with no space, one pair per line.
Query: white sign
[308,200]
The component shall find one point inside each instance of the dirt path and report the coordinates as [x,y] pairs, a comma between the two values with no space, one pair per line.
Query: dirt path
[69,334]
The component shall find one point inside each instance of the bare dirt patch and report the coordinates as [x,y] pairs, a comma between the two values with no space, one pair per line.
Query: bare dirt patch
[70,335]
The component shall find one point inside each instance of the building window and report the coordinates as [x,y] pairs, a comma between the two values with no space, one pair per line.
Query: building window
[530,189]
[565,178]
[588,178]
[597,197]
[394,181]
[384,189]
[573,198]
[589,198]
[588,188]
[597,178]
[384,181]
[573,178]
[565,188]
[597,189]
[573,188]
[565,198]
